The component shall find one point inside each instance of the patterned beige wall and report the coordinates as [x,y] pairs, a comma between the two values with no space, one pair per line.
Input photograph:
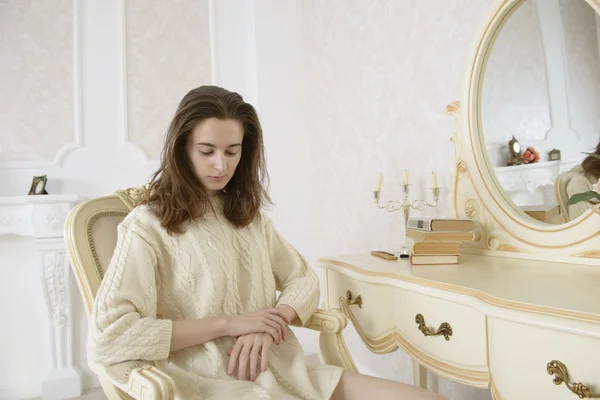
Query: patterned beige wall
[583,69]
[36,79]
[379,75]
[168,53]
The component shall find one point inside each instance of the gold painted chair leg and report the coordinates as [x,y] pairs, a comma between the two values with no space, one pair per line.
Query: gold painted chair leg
[332,350]
[419,375]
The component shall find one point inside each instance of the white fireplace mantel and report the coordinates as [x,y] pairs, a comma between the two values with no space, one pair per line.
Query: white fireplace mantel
[42,217]
[35,216]
[532,184]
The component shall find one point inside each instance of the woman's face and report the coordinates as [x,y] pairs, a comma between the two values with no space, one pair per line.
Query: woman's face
[215,149]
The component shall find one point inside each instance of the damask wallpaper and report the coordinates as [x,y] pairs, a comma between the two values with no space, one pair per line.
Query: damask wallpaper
[168,53]
[379,75]
[37,79]
[583,69]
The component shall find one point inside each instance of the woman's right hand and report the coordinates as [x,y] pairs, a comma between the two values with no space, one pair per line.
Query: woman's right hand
[268,320]
[245,354]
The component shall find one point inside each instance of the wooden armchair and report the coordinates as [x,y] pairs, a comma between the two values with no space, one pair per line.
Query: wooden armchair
[91,236]
[577,177]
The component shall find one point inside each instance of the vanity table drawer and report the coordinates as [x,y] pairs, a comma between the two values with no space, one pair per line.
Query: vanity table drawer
[386,309]
[519,357]
[452,333]
[374,316]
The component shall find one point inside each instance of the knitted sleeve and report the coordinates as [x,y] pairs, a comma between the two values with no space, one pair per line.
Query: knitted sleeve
[123,324]
[294,278]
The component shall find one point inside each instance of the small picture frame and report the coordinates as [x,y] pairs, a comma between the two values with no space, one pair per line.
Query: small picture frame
[554,155]
[38,185]
[514,152]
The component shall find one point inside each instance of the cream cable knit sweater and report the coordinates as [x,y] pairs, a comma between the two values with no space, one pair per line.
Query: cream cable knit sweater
[211,269]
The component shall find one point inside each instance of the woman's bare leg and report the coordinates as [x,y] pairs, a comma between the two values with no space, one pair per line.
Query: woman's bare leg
[355,386]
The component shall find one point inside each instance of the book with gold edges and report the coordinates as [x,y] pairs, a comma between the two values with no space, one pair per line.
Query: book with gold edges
[431,248]
[440,224]
[441,259]
[426,236]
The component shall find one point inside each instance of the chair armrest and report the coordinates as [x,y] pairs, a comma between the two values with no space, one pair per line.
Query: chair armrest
[141,380]
[325,321]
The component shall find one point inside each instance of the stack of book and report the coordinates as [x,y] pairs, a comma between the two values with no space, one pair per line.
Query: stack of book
[436,240]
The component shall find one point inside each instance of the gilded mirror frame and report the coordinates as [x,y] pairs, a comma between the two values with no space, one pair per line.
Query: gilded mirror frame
[502,228]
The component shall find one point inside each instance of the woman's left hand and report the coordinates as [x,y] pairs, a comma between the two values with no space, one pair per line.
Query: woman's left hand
[245,353]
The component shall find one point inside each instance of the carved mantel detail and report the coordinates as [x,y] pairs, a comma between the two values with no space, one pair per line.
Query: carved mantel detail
[56,276]
[42,218]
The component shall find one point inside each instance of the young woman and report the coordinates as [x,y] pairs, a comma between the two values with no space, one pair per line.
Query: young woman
[588,173]
[193,279]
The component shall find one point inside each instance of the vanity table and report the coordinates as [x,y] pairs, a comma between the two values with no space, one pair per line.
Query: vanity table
[490,322]
[520,313]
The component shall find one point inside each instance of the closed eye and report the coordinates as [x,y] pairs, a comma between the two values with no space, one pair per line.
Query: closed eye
[209,153]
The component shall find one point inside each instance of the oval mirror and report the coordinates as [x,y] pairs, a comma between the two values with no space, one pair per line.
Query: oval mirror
[540,106]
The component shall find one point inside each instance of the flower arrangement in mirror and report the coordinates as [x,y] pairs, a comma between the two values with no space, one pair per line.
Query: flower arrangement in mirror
[530,156]
[591,196]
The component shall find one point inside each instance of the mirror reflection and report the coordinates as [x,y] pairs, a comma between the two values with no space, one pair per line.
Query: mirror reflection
[541,106]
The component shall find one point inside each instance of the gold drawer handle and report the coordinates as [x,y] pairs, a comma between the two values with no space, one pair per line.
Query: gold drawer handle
[357,300]
[445,329]
[561,375]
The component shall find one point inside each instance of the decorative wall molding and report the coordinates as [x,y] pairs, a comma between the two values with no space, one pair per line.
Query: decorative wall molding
[77,142]
[234,58]
[125,139]
[77,98]
[552,30]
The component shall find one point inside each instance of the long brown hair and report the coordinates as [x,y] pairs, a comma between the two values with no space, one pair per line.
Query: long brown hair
[591,165]
[176,195]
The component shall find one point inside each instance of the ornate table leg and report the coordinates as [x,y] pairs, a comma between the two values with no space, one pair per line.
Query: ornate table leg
[63,381]
[419,375]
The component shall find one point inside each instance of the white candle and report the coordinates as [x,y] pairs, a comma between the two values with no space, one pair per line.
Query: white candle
[434,182]
[405,178]
[379,180]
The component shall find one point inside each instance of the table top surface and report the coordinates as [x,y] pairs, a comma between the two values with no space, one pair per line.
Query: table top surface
[571,290]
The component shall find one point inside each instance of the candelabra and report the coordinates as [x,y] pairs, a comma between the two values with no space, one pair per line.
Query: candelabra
[406,206]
